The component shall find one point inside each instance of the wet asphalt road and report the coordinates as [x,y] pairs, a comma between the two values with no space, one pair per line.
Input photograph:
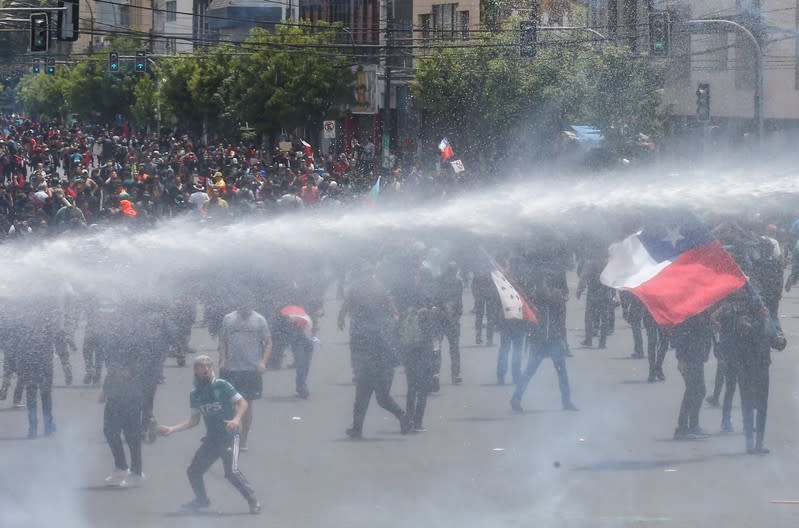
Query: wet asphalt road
[613,464]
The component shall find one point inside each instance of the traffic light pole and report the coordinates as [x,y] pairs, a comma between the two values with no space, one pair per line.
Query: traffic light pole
[758,96]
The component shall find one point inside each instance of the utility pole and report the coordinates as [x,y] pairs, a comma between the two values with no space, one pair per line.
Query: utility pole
[386,124]
[758,56]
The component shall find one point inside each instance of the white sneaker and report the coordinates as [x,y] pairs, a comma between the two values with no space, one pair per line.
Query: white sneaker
[117,478]
[133,480]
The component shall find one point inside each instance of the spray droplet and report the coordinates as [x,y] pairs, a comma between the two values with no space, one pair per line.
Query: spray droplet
[582,439]
[296,418]
[498,449]
[670,470]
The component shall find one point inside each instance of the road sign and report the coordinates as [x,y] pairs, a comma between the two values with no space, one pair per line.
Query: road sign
[329,129]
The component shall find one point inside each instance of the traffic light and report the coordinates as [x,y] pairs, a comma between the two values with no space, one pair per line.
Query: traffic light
[141,62]
[527,38]
[113,62]
[703,102]
[40,32]
[68,20]
[50,69]
[37,66]
[659,33]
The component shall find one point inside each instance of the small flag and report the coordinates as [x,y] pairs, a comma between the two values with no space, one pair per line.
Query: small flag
[374,192]
[514,304]
[446,149]
[675,266]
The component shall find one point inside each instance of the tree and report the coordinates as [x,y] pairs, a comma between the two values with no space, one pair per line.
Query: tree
[144,105]
[495,105]
[293,78]
[625,96]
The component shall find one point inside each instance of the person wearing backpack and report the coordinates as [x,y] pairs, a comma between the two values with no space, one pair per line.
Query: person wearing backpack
[418,337]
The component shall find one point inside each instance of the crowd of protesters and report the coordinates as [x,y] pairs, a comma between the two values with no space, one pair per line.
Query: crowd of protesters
[55,179]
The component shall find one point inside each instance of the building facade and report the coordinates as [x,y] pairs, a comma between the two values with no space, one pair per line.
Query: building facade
[718,56]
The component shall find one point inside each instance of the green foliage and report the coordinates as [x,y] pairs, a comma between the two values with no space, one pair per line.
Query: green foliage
[491,102]
[295,77]
[144,105]
[292,78]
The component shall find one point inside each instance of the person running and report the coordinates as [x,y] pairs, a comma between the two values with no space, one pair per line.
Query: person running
[222,409]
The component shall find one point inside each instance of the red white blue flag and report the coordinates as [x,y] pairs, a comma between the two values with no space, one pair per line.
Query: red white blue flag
[446,149]
[676,267]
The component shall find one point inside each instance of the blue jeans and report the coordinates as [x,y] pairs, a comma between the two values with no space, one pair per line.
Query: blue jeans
[511,341]
[557,351]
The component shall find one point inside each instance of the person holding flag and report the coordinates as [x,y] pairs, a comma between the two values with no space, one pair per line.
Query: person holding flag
[446,150]
[545,281]
[678,269]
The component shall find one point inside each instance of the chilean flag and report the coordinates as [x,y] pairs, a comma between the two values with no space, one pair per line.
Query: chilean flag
[677,269]
[514,305]
[446,149]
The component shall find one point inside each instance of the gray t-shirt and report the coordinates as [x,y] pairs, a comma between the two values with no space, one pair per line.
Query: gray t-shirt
[244,337]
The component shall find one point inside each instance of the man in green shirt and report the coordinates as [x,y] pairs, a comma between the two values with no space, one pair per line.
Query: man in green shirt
[222,409]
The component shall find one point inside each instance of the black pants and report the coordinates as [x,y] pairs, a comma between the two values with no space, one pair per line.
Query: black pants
[754,381]
[597,319]
[657,354]
[638,319]
[210,450]
[118,418]
[95,354]
[693,373]
[452,331]
[373,379]
[732,369]
[419,371]
[37,375]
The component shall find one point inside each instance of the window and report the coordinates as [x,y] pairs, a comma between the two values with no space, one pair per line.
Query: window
[464,25]
[124,15]
[444,22]
[425,25]
[171,11]
[711,51]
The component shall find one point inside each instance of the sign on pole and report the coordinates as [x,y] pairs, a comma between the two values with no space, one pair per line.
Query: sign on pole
[329,129]
[457,166]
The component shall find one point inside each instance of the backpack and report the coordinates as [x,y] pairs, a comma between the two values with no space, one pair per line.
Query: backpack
[411,335]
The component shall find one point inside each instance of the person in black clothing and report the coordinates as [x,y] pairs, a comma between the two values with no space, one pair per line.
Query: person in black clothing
[635,313]
[692,340]
[11,348]
[372,314]
[598,302]
[485,301]
[36,342]
[746,335]
[122,396]
[451,300]
[420,333]
[420,330]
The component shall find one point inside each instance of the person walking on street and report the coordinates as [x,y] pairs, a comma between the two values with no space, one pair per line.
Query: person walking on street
[245,344]
[372,314]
